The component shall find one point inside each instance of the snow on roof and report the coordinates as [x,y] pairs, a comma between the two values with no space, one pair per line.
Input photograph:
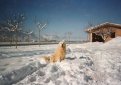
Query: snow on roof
[103,24]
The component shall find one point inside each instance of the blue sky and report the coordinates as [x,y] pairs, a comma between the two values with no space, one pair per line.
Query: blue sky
[65,15]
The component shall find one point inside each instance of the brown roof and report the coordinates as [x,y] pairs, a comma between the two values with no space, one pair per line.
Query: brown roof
[103,25]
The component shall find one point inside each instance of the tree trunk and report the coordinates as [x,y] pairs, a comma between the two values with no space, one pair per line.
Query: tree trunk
[39,37]
[10,39]
[16,37]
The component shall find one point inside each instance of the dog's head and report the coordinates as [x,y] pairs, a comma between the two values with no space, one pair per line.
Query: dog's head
[62,44]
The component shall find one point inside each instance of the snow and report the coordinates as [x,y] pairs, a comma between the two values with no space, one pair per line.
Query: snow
[85,64]
[114,43]
[103,24]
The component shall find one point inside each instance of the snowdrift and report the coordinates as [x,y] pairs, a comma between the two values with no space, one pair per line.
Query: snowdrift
[18,74]
[67,72]
[114,43]
[85,64]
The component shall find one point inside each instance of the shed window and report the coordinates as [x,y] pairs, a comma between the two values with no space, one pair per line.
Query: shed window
[113,35]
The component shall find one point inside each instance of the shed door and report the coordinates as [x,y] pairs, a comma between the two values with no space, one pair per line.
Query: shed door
[96,38]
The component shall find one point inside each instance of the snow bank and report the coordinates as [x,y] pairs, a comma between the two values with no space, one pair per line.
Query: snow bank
[85,64]
[67,72]
[107,62]
[14,76]
[91,46]
[76,69]
[114,43]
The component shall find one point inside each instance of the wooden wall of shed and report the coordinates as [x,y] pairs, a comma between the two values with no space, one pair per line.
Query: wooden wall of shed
[118,32]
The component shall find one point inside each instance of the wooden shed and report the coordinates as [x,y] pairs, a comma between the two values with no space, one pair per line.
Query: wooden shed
[103,32]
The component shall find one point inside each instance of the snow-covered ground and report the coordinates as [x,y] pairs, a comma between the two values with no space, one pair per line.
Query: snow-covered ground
[85,64]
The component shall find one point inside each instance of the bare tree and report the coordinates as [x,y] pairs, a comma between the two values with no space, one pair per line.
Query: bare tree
[40,27]
[14,23]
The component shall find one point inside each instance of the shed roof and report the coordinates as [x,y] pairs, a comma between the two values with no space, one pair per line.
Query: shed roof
[103,25]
